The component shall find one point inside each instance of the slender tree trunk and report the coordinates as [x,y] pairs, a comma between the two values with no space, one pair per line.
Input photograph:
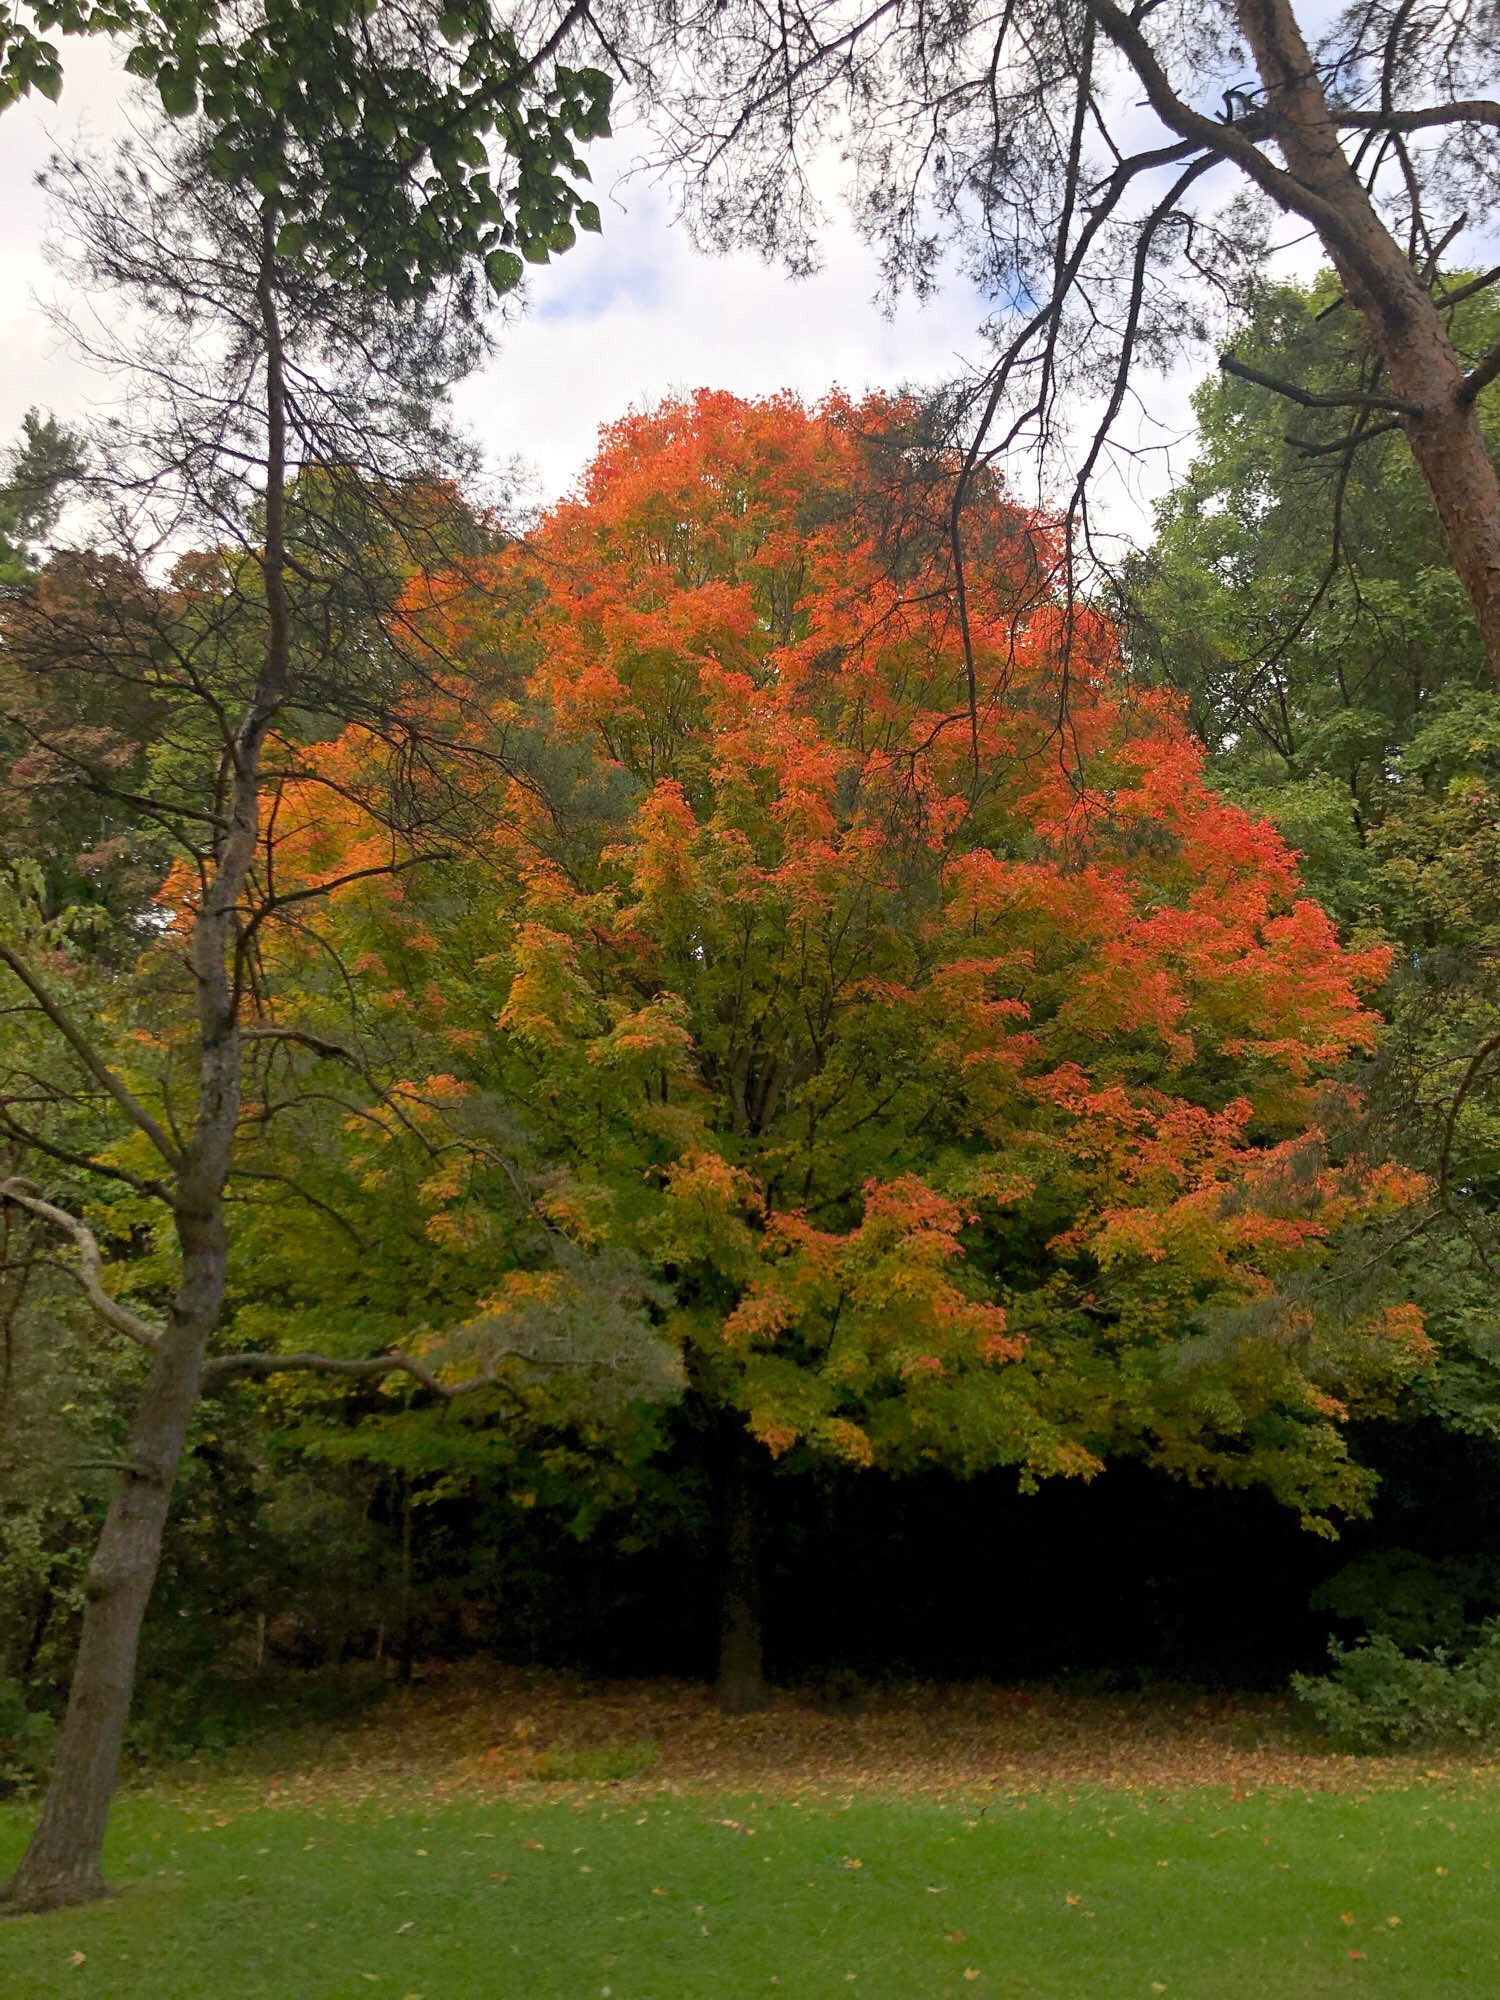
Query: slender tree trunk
[404,1612]
[1401,321]
[64,1862]
[741,1686]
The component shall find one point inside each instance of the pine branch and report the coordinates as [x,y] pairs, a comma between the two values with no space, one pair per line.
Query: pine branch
[1353,399]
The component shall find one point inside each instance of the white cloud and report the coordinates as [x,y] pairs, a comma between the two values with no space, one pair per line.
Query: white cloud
[634,314]
[623,318]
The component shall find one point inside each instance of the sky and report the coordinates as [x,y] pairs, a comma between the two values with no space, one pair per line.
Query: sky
[619,321]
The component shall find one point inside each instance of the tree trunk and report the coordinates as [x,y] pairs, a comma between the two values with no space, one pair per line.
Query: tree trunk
[64,1862]
[741,1686]
[1400,319]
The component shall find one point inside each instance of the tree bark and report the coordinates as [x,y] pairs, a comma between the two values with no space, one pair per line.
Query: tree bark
[741,1685]
[1402,324]
[64,1861]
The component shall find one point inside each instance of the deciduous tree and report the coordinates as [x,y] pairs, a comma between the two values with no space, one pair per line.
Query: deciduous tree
[975,1113]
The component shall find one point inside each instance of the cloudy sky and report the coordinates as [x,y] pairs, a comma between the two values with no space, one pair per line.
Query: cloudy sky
[621,320]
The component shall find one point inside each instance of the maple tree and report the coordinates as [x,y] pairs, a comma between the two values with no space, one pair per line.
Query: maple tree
[961,1064]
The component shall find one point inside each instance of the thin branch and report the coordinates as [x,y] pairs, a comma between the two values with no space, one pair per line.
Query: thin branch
[1309,400]
[90,1263]
[1312,448]
[222,1367]
[304,1038]
[1470,1077]
[1464,111]
[12,1128]
[100,1070]
[1480,376]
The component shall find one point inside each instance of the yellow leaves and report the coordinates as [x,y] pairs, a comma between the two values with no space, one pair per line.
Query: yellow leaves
[653,1038]
[846,1440]
[582,1210]
[664,867]
[1405,1328]
[778,1438]
[549,1002]
[759,1316]
[704,1216]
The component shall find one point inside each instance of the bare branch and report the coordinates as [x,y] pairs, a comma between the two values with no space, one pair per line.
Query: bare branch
[1481,375]
[304,1038]
[1313,448]
[1353,399]
[222,1367]
[1467,111]
[100,1070]
[89,1272]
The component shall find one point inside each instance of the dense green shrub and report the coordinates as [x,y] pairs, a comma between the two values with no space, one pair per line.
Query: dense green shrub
[1380,1698]
[26,1742]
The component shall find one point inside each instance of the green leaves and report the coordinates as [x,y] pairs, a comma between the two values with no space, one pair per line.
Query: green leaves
[179,94]
[504,270]
[397,159]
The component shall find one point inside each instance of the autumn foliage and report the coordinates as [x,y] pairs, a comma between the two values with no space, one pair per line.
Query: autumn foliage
[961,1064]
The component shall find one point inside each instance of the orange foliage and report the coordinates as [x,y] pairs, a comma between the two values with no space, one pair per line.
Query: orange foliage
[896,985]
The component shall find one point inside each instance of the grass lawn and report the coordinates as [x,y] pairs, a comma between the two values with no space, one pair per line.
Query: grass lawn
[601,1894]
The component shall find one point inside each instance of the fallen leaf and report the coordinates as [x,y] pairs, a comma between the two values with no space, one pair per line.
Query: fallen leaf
[1356,1954]
[1072,1901]
[971,1972]
[78,1958]
[1346,1916]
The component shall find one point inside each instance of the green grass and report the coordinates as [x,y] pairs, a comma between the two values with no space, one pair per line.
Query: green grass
[1097,1897]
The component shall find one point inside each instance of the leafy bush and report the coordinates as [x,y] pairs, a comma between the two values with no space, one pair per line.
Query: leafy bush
[1417,1601]
[27,1738]
[1380,1698]
[595,1763]
[206,1715]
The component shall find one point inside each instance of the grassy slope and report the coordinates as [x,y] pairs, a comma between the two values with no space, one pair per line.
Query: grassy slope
[1098,1896]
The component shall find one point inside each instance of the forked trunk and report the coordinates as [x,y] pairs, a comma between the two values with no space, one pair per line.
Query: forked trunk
[64,1862]
[741,1685]
[1402,324]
